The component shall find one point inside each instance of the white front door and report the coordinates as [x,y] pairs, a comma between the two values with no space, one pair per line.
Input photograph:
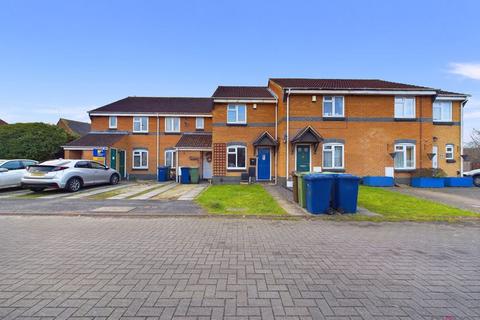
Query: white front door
[435,157]
[207,165]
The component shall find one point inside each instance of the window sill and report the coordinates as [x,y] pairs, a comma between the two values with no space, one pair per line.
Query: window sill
[404,170]
[139,169]
[199,130]
[451,161]
[333,118]
[237,169]
[236,124]
[112,129]
[443,123]
[405,119]
[333,170]
[172,133]
[140,132]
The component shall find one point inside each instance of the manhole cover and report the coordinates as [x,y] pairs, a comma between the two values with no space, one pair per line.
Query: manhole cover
[113,209]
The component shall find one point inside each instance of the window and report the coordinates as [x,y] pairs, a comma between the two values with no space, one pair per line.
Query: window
[140,124]
[82,164]
[404,156]
[140,159]
[96,165]
[27,163]
[170,158]
[442,111]
[112,122]
[13,165]
[449,152]
[236,156]
[237,113]
[172,124]
[333,156]
[404,107]
[199,123]
[333,106]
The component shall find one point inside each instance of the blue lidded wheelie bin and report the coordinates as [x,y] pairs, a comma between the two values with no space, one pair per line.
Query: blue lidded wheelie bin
[163,173]
[185,175]
[318,192]
[345,193]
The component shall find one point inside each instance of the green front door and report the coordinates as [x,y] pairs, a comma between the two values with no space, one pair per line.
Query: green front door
[303,158]
[113,158]
[121,169]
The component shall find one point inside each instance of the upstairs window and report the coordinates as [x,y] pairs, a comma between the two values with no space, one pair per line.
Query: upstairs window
[442,111]
[236,156]
[199,123]
[333,107]
[333,156]
[404,107]
[172,124]
[140,124]
[112,122]
[449,152]
[140,159]
[170,158]
[237,114]
[404,156]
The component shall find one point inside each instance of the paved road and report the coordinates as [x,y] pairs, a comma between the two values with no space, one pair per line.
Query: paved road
[202,268]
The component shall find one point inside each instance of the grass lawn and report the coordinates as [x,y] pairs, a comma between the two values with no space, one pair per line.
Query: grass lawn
[394,206]
[239,200]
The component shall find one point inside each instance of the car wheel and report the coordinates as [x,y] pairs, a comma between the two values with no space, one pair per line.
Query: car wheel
[114,179]
[73,185]
[476,180]
[37,189]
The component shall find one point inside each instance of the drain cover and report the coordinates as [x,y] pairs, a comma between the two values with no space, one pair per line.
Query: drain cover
[113,209]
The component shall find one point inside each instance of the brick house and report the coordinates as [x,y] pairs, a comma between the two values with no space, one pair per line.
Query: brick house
[363,127]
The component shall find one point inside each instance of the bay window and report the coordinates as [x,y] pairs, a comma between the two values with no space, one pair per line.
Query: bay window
[404,156]
[404,107]
[236,156]
[333,156]
[333,106]
[442,111]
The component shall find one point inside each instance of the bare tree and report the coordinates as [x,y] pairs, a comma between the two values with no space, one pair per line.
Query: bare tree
[475,139]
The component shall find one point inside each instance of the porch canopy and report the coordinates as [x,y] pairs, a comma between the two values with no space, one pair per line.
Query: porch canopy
[94,140]
[307,135]
[195,141]
[265,140]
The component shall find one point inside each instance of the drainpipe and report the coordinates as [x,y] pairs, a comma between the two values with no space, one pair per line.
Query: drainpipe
[462,105]
[276,138]
[177,166]
[158,138]
[288,136]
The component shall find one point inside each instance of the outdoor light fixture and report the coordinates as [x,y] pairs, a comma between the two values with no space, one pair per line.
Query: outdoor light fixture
[393,154]
[430,155]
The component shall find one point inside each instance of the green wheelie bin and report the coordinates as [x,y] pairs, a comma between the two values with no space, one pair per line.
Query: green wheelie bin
[194,175]
[302,189]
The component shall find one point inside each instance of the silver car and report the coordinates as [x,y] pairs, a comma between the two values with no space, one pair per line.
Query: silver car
[12,171]
[70,175]
[475,174]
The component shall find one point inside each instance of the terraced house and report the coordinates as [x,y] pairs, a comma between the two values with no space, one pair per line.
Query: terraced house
[363,127]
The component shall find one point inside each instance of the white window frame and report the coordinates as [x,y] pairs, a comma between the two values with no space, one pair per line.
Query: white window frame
[235,107]
[110,125]
[173,155]
[137,152]
[332,146]
[172,120]
[332,100]
[402,100]
[404,151]
[440,105]
[139,120]
[236,147]
[447,151]
[201,125]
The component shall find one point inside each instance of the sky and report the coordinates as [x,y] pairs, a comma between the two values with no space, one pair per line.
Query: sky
[63,58]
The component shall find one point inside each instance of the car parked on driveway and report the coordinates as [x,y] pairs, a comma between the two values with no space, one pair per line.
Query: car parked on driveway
[12,171]
[70,175]
[476,176]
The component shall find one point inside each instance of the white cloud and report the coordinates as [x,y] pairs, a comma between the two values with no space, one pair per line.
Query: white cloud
[468,70]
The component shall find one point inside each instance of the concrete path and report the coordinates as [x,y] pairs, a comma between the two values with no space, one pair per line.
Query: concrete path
[284,197]
[192,194]
[95,191]
[219,268]
[13,193]
[133,190]
[155,192]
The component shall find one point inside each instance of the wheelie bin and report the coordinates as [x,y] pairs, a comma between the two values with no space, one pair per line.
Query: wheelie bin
[318,192]
[346,193]
[163,173]
[295,186]
[301,189]
[185,175]
[194,175]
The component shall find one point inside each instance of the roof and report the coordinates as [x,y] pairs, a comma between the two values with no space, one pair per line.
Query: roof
[195,141]
[243,92]
[96,140]
[265,139]
[357,84]
[75,127]
[2,122]
[159,105]
[444,93]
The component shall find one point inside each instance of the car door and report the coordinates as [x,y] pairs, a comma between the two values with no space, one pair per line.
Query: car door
[84,170]
[102,175]
[12,177]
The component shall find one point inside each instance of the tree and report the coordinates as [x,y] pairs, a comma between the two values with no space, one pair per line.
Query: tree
[37,141]
[475,139]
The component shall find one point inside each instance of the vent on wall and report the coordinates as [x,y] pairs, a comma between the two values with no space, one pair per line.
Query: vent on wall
[314,98]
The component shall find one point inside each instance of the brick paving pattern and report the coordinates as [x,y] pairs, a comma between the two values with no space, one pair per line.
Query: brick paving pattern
[217,268]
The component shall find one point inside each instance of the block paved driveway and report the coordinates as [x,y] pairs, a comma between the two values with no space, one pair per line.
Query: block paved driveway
[215,268]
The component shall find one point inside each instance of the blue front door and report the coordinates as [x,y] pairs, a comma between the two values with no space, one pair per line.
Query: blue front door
[263,164]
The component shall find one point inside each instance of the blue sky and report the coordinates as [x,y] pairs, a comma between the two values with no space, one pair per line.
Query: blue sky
[62,58]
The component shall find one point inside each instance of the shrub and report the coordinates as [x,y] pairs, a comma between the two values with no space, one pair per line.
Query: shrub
[429,173]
